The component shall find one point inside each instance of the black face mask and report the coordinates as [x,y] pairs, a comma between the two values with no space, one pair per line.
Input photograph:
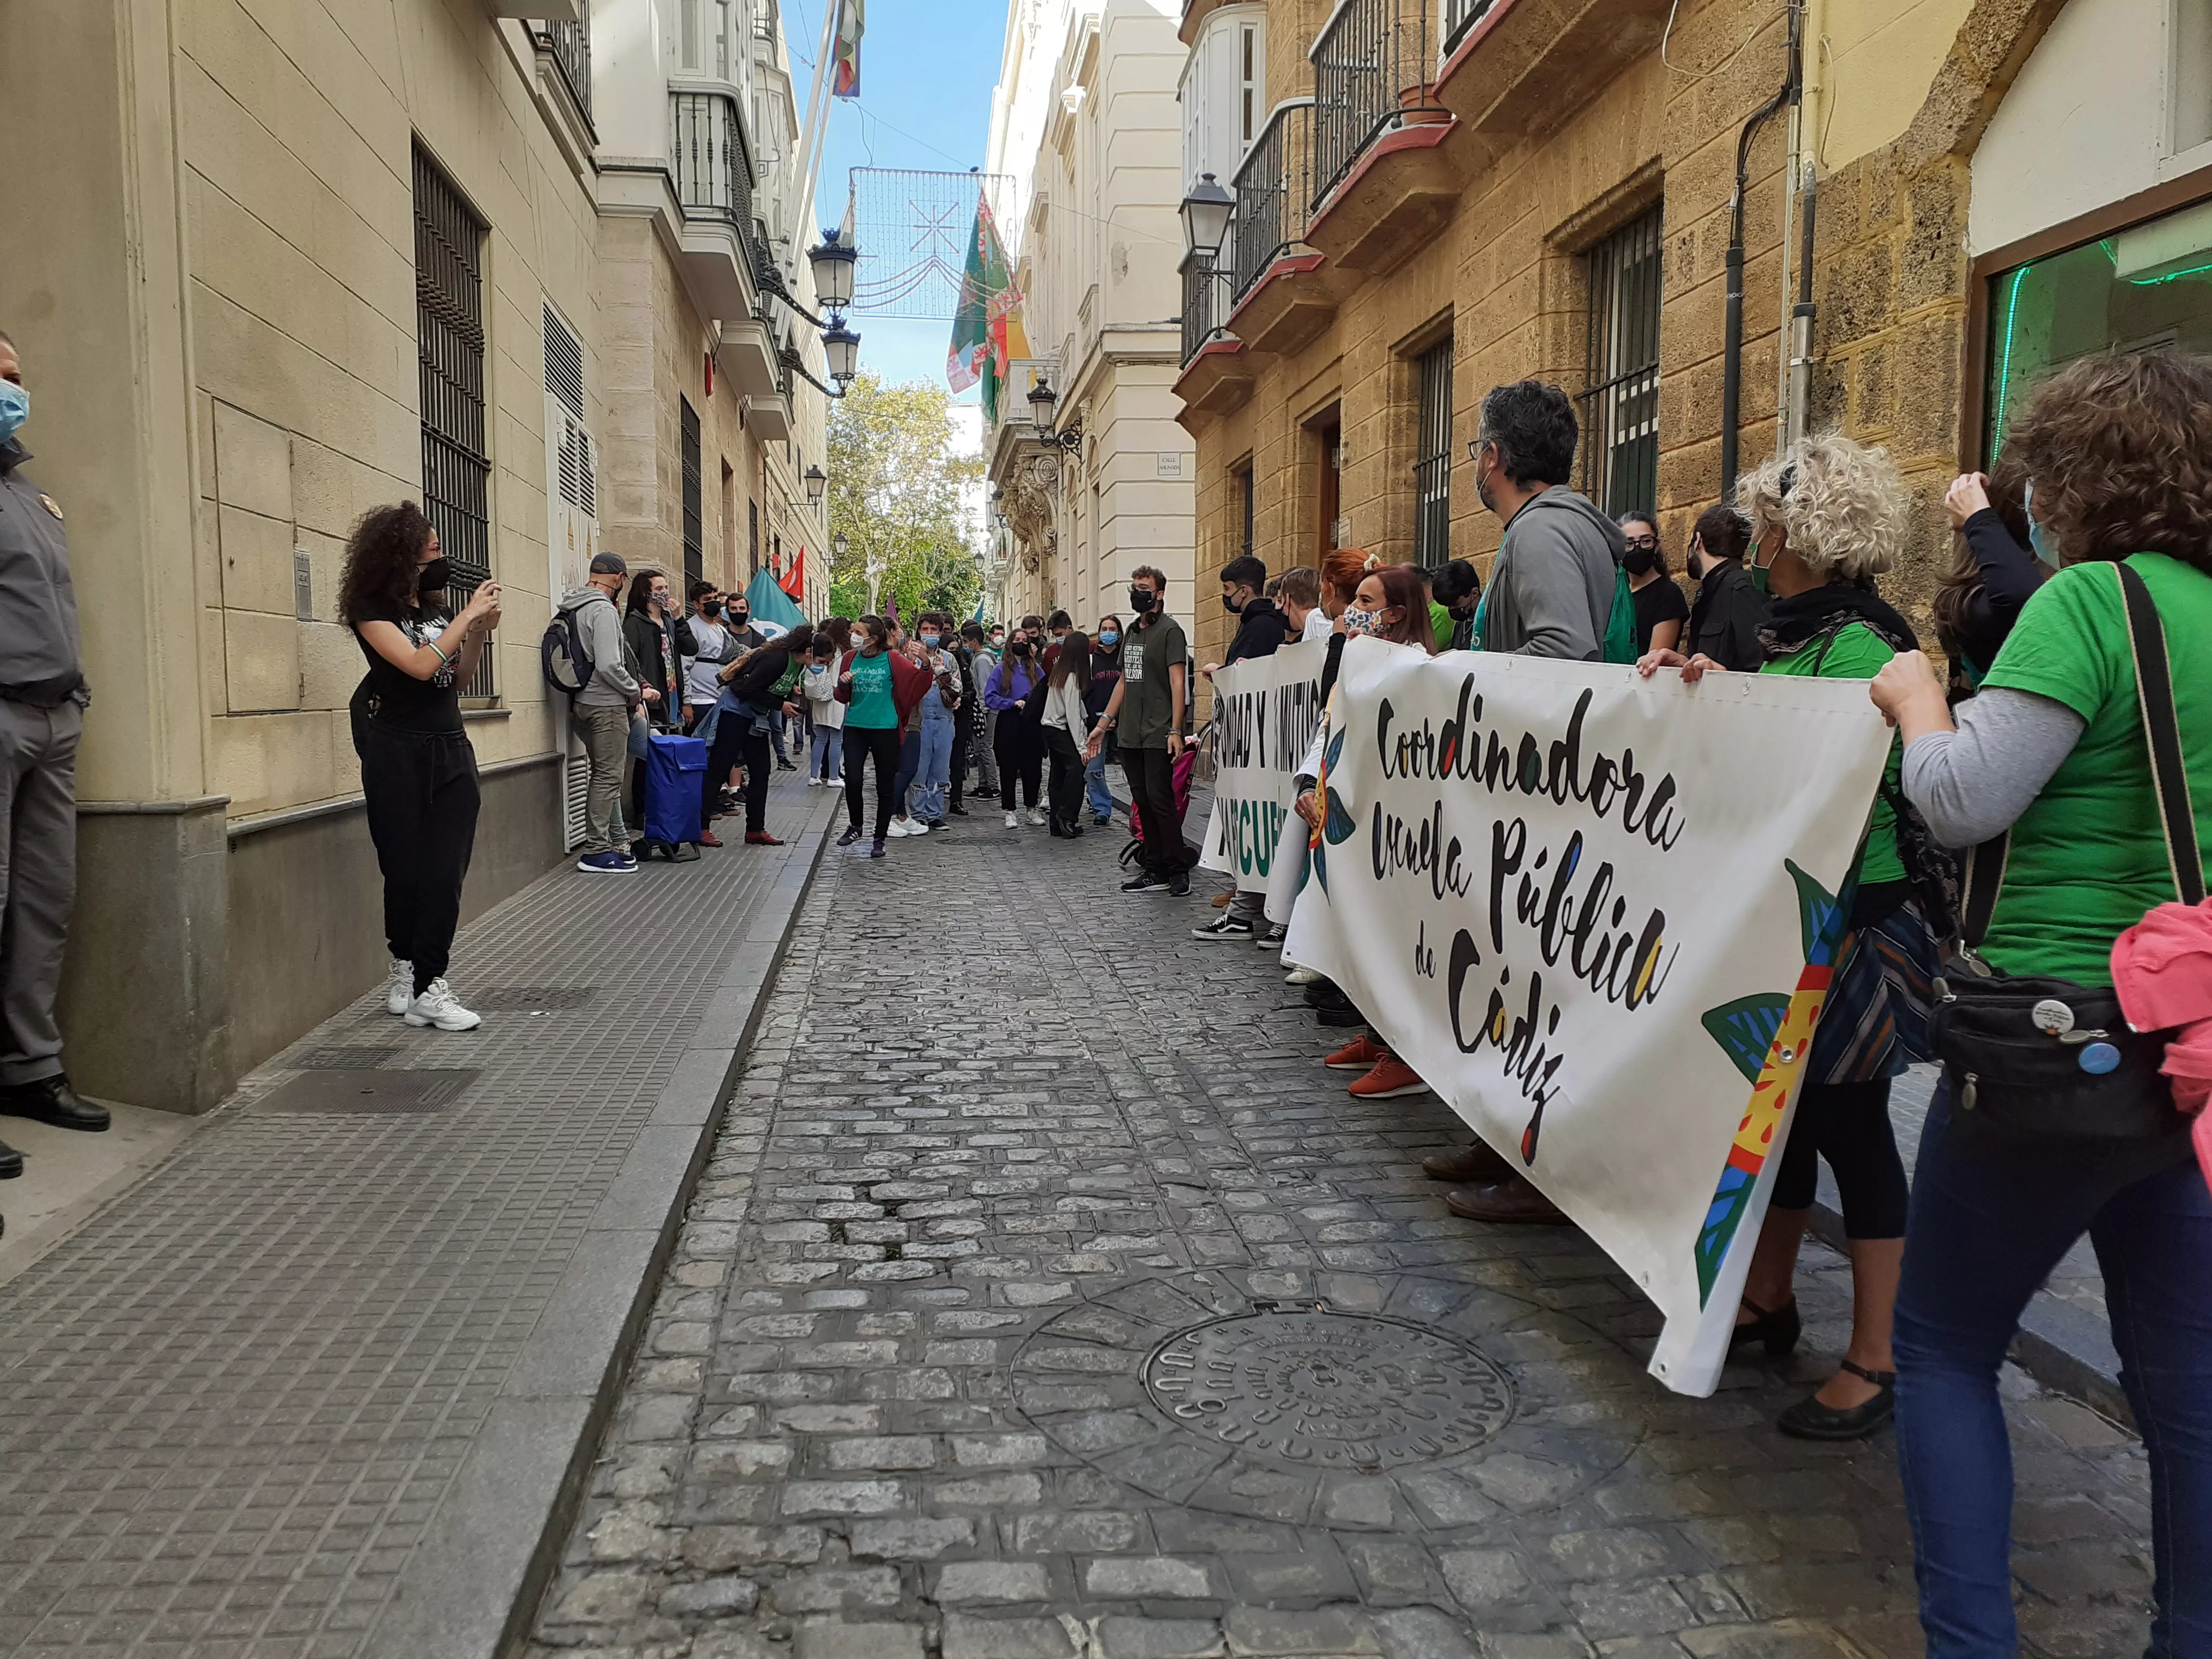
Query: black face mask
[1021,647]
[430,578]
[1638,561]
[1141,599]
[741,617]
[1231,604]
[711,608]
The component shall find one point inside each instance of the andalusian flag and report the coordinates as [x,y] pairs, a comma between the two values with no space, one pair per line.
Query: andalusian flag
[986,327]
[851,20]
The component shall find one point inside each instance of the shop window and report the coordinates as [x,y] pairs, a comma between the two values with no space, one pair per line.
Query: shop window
[1620,412]
[449,337]
[1433,460]
[2146,286]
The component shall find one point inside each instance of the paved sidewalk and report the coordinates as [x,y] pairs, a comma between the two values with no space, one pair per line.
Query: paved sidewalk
[313,1386]
[1045,1298]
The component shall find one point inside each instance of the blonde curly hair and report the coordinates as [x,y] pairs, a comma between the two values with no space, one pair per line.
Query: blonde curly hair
[1842,504]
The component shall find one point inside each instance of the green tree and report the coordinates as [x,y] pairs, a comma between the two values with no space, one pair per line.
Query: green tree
[899,496]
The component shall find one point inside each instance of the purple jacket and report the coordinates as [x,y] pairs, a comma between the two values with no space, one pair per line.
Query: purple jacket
[994,694]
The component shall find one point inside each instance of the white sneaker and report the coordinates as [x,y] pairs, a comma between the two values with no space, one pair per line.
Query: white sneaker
[813,782]
[1300,976]
[907,827]
[436,1006]
[1013,820]
[1037,819]
[398,986]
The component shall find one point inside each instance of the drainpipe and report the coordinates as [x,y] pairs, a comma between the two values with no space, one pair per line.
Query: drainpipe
[1800,316]
[1732,345]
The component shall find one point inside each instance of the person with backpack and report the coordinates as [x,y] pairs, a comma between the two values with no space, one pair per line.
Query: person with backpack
[1827,516]
[585,656]
[2077,1047]
[1557,587]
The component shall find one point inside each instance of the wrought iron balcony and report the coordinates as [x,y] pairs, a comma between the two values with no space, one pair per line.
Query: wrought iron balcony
[1273,190]
[1375,62]
[706,152]
[570,45]
[1205,303]
[1459,16]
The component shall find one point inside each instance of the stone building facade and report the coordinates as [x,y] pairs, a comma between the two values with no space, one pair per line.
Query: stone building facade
[1085,131]
[277,261]
[1543,187]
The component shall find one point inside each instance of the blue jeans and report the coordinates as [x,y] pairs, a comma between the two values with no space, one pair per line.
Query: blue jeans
[829,753]
[775,736]
[934,767]
[1094,784]
[1989,1223]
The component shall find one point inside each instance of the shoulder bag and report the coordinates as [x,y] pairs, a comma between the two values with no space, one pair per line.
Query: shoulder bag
[2046,1059]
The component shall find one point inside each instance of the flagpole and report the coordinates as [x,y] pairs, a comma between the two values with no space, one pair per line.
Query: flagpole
[818,114]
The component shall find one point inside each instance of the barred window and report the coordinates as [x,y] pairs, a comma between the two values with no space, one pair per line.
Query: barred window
[1243,478]
[694,527]
[1432,461]
[450,350]
[1620,411]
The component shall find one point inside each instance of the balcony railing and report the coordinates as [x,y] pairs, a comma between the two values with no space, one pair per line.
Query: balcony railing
[570,43]
[1375,60]
[1205,303]
[707,149]
[1273,189]
[1459,16]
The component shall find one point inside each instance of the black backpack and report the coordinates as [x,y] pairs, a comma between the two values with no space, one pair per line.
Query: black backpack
[567,665]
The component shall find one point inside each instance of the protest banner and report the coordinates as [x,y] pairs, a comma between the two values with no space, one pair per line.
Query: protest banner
[1265,710]
[1598,914]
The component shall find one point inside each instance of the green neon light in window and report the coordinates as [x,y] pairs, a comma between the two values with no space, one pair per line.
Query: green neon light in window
[2004,366]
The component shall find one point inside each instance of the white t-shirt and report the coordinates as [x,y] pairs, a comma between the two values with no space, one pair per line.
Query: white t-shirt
[700,684]
[1317,625]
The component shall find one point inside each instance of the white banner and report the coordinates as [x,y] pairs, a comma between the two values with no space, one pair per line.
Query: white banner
[1596,912]
[1264,713]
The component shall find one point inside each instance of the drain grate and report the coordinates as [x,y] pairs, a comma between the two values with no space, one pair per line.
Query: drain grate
[347,1057]
[366,1090]
[529,999]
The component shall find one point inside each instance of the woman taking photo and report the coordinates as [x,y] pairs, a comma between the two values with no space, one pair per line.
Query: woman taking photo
[1992,577]
[1066,731]
[2051,753]
[1827,518]
[418,773]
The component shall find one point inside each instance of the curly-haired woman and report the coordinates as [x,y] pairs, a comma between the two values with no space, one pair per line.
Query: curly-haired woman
[418,773]
[1827,516]
[2050,752]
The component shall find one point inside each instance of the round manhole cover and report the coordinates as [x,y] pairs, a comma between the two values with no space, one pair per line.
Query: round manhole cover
[1311,1387]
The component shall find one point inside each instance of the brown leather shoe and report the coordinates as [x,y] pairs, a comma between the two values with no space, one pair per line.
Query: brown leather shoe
[1472,1165]
[1512,1201]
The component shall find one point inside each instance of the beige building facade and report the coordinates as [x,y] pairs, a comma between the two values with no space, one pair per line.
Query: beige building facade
[1450,194]
[1085,129]
[279,261]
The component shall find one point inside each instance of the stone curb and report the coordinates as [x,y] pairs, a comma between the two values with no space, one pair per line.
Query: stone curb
[471,1588]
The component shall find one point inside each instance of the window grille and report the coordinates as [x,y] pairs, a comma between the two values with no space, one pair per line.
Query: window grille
[694,528]
[1432,462]
[450,350]
[752,538]
[1620,411]
[1244,489]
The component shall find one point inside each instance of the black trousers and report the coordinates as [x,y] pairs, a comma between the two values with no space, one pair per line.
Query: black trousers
[421,796]
[1020,756]
[863,744]
[1848,1124]
[964,739]
[735,745]
[1152,792]
[1067,791]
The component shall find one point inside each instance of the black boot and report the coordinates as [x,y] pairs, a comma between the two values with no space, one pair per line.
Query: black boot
[50,1100]
[11,1162]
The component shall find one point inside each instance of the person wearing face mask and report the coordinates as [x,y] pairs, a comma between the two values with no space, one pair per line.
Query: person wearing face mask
[43,697]
[1262,630]
[1146,713]
[1556,584]
[1729,610]
[1661,609]
[1056,628]
[1456,590]
[826,762]
[701,638]
[1020,746]
[1992,577]
[1105,675]
[649,625]
[982,663]
[601,713]
[418,772]
[939,722]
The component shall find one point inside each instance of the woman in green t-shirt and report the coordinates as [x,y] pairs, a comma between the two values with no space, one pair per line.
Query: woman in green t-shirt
[2118,450]
[1827,518]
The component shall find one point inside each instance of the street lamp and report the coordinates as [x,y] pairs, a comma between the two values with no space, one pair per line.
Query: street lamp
[1043,400]
[842,346]
[833,260]
[1206,215]
[816,482]
[841,546]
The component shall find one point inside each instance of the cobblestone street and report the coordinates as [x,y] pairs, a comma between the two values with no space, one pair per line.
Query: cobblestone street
[1044,1297]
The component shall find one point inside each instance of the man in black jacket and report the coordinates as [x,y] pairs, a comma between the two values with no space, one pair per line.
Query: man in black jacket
[1262,630]
[1729,610]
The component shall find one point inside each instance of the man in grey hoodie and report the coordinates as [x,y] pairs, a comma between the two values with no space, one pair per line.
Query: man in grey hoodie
[1551,594]
[1551,588]
[602,710]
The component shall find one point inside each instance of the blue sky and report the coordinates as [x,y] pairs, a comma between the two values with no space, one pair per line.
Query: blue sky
[927,71]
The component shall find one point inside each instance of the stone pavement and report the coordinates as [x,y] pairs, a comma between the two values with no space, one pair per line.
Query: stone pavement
[315,1387]
[1045,1298]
